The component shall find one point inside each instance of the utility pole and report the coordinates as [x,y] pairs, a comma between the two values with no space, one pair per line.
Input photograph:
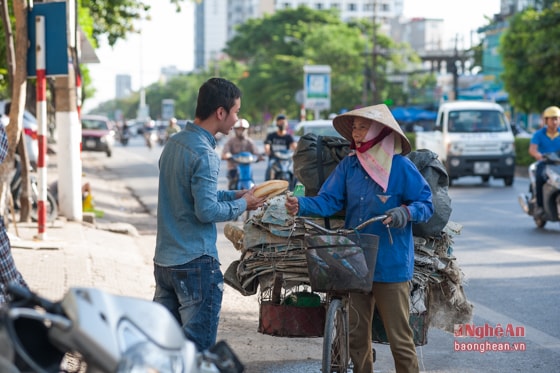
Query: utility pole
[366,75]
[69,133]
[454,70]
[143,111]
[69,139]
[374,49]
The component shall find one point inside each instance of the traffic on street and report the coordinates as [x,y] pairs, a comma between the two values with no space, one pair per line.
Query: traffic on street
[511,273]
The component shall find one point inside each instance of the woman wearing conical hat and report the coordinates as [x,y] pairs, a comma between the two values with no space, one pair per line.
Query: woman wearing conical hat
[377,179]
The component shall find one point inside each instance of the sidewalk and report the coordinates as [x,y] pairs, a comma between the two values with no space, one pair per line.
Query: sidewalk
[115,254]
[108,254]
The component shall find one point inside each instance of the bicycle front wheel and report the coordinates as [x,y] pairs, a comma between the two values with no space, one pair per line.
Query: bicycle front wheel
[335,338]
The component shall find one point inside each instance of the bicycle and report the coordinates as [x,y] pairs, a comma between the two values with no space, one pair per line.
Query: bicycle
[339,262]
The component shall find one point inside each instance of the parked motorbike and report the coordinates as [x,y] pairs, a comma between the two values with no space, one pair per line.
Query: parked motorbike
[551,191]
[90,330]
[16,187]
[282,167]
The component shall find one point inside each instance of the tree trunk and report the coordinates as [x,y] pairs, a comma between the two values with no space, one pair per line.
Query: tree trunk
[18,79]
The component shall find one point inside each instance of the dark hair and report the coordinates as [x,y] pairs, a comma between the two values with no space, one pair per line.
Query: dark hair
[215,93]
[280,116]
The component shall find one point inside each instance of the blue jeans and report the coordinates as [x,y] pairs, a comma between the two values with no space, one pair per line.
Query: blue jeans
[540,179]
[267,173]
[193,292]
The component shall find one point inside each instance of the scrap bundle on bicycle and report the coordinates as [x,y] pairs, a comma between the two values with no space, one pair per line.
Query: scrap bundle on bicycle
[305,273]
[273,265]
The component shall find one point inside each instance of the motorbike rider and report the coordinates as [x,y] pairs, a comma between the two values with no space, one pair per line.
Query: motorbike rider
[172,128]
[149,128]
[278,140]
[545,140]
[125,132]
[241,142]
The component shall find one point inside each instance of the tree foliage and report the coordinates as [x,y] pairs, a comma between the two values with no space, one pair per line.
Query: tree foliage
[266,58]
[276,47]
[114,19]
[531,57]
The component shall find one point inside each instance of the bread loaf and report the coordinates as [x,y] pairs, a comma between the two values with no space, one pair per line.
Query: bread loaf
[271,188]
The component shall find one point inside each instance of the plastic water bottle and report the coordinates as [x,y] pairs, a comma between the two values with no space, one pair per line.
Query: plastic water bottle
[299,190]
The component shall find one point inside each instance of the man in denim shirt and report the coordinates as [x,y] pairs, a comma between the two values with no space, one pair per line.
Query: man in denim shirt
[187,272]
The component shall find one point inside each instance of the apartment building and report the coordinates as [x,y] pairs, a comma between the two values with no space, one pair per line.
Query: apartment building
[215,20]
[123,85]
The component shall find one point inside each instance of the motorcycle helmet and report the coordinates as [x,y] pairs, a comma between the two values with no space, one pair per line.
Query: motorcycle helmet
[551,111]
[241,123]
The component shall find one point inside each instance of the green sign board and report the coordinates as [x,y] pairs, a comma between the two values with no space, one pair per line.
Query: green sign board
[317,87]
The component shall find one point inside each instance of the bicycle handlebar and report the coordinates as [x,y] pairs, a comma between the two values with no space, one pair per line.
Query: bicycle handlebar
[343,231]
[348,231]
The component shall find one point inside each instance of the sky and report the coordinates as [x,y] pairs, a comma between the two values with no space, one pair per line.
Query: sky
[168,40]
[460,16]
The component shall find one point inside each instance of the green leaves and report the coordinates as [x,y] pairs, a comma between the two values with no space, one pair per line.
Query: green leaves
[266,57]
[531,58]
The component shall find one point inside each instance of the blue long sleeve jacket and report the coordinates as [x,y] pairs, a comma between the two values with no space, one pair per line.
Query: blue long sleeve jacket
[351,189]
[189,202]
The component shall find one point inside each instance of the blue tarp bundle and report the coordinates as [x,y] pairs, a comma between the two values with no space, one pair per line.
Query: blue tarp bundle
[412,114]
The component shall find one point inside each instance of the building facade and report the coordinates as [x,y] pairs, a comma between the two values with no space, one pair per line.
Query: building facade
[216,20]
[123,85]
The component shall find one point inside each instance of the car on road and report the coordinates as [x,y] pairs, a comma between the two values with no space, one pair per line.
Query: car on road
[98,134]
[320,127]
[30,127]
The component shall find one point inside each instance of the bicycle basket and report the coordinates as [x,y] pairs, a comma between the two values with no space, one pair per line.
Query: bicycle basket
[341,263]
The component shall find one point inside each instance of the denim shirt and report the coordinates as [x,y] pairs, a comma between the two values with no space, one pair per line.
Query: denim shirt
[189,202]
[349,187]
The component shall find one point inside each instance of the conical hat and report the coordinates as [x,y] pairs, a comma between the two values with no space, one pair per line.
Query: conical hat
[378,113]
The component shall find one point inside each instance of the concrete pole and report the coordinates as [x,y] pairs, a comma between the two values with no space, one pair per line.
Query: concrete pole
[40,52]
[69,160]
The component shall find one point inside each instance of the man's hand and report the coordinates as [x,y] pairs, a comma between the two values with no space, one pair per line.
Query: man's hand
[253,202]
[292,205]
[397,217]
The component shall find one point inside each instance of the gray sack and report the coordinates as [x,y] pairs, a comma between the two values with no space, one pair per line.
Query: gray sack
[316,157]
[436,175]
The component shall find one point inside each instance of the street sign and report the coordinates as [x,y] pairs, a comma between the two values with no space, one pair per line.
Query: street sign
[167,108]
[317,87]
[56,43]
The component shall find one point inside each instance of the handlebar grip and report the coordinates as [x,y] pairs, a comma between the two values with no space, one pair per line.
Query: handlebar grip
[21,293]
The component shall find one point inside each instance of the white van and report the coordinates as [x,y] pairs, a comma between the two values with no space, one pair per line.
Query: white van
[472,138]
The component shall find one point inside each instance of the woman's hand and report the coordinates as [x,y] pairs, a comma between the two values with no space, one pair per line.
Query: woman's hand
[292,205]
[397,217]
